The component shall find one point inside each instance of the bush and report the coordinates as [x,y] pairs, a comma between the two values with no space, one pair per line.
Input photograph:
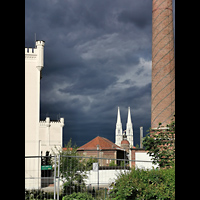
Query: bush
[160,144]
[112,164]
[145,184]
[38,194]
[78,195]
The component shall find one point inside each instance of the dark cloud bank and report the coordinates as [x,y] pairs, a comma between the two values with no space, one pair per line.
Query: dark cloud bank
[97,57]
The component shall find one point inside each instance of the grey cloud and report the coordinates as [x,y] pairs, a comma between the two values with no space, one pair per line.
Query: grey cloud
[128,82]
[90,83]
[89,46]
[135,17]
[140,70]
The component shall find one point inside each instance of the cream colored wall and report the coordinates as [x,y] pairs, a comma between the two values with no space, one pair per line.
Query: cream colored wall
[51,135]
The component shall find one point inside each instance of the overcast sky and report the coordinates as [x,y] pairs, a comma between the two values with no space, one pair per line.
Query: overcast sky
[97,57]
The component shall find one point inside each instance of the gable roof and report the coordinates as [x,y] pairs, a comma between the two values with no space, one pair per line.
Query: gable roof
[104,144]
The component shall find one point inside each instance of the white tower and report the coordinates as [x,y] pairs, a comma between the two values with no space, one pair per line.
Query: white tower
[118,130]
[129,128]
[40,136]
[34,62]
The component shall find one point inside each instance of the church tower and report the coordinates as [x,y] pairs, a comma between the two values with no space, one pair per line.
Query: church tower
[129,128]
[118,130]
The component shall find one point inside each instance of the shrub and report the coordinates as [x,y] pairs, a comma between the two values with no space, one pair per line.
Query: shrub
[78,195]
[160,144]
[38,194]
[145,184]
[112,164]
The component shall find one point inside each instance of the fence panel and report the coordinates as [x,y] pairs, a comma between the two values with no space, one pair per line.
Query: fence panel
[79,174]
[57,176]
[39,177]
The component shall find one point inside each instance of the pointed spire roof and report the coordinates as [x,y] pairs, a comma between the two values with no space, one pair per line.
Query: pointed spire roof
[129,116]
[118,117]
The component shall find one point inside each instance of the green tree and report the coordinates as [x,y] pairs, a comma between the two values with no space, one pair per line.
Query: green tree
[89,163]
[72,170]
[160,144]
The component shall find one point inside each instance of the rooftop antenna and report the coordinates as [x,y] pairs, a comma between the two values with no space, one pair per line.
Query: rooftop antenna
[58,116]
[35,40]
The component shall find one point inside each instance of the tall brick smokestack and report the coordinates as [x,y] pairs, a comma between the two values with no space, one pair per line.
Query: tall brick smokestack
[163,65]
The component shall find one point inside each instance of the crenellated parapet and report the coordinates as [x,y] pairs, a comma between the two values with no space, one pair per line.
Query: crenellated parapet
[36,54]
[30,50]
[48,123]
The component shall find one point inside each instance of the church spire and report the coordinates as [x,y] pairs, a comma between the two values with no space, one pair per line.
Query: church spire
[118,117]
[118,130]
[129,128]
[129,116]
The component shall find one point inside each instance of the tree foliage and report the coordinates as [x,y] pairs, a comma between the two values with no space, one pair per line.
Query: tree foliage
[72,170]
[81,196]
[145,184]
[160,144]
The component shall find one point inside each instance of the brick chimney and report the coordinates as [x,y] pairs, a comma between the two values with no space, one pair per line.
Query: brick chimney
[163,65]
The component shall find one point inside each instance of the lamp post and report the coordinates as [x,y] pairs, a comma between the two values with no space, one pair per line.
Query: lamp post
[98,168]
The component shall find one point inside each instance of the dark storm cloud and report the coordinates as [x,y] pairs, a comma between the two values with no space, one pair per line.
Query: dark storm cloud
[140,15]
[97,57]
[91,82]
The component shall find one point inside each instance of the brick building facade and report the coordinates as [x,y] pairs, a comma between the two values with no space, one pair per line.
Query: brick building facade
[106,149]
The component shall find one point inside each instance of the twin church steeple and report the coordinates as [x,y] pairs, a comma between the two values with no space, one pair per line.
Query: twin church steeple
[129,129]
[118,130]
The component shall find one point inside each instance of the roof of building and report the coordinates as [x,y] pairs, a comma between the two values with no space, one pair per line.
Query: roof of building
[125,142]
[65,148]
[104,144]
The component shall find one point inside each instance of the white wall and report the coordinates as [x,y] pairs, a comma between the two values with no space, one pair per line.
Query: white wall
[106,177]
[143,156]
[51,135]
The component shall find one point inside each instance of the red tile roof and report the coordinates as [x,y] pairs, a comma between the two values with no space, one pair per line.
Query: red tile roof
[104,144]
[124,142]
[65,148]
